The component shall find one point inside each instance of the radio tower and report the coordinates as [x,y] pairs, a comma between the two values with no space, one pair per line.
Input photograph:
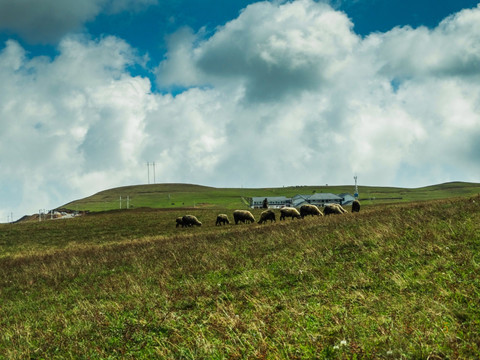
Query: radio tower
[356,187]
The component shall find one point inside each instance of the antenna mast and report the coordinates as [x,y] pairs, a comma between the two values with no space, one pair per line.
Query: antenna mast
[356,188]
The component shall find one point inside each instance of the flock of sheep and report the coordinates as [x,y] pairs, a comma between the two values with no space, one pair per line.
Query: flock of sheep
[245,216]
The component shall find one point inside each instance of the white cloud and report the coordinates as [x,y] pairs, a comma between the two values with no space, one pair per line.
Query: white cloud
[285,94]
[300,76]
[272,50]
[68,118]
[178,69]
[451,49]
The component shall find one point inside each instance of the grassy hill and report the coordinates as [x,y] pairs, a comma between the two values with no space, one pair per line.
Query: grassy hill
[397,280]
[187,195]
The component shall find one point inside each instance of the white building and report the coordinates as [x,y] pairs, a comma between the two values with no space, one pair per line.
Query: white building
[273,201]
[347,199]
[318,199]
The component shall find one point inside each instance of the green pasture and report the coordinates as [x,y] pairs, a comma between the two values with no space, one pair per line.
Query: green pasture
[170,196]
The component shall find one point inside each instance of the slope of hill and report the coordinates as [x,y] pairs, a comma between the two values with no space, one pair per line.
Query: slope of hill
[188,195]
[395,281]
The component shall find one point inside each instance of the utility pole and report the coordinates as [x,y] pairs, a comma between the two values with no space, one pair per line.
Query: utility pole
[148,171]
[153,172]
[152,164]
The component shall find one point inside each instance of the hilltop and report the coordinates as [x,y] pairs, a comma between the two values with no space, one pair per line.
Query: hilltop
[172,196]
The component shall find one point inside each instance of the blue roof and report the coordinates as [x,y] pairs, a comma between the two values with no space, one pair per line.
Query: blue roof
[298,202]
[324,196]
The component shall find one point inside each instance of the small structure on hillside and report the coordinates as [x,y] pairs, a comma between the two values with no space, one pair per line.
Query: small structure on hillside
[272,201]
[318,199]
[347,199]
[277,202]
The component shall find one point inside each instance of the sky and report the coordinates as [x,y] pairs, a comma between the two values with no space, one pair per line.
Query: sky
[234,93]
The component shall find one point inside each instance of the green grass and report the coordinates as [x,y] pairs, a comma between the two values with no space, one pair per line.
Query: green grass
[393,281]
[184,195]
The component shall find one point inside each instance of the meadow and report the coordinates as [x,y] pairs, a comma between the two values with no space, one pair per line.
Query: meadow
[397,280]
[174,196]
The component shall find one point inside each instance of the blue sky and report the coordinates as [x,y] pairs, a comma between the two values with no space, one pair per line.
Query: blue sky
[234,93]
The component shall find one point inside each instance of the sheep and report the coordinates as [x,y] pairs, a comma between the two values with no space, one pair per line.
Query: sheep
[190,220]
[267,215]
[243,216]
[355,206]
[179,221]
[308,209]
[333,209]
[222,219]
[289,212]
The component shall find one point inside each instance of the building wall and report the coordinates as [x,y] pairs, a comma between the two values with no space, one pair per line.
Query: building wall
[271,203]
[258,202]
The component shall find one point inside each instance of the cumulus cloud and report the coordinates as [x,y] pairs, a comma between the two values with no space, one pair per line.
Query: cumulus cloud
[340,103]
[451,49]
[81,123]
[285,94]
[273,50]
[67,121]
[49,20]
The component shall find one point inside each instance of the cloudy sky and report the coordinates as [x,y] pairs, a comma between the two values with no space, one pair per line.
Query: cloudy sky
[234,93]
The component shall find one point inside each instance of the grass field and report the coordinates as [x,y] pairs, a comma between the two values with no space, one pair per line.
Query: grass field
[184,195]
[393,281]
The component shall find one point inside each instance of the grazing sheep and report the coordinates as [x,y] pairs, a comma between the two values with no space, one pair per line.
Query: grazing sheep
[308,209]
[267,215]
[333,209]
[222,219]
[190,220]
[289,212]
[179,221]
[355,206]
[243,216]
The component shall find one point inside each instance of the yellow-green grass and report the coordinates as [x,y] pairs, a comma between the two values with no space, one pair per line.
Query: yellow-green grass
[186,195]
[393,281]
